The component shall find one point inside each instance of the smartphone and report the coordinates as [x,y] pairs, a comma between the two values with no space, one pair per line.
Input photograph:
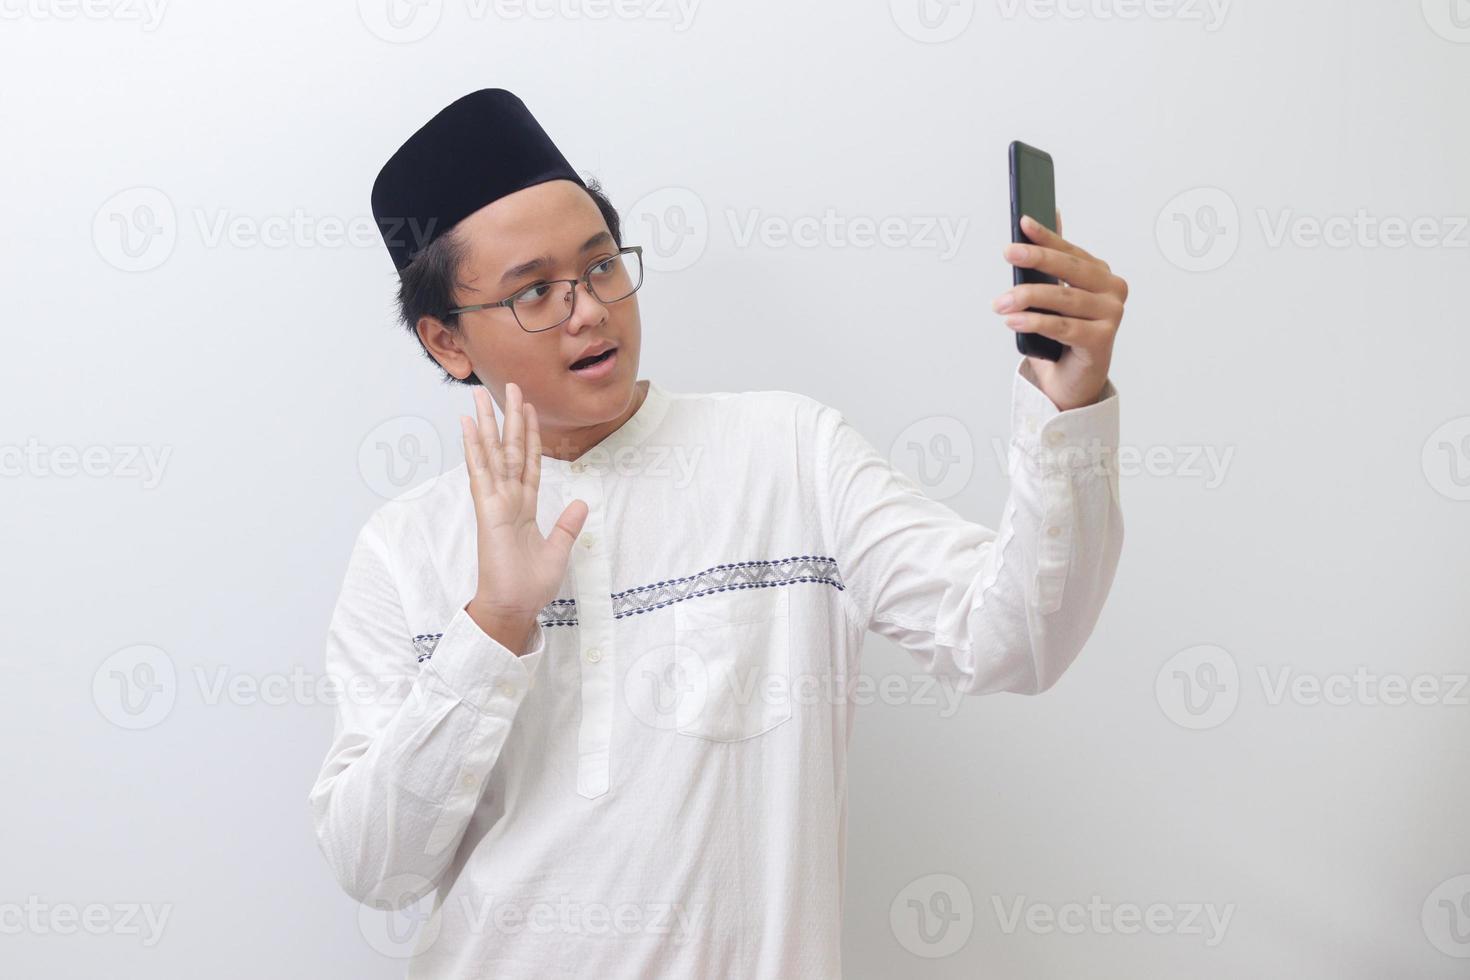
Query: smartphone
[1033,192]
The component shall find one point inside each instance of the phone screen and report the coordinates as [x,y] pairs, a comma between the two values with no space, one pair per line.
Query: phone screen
[1036,190]
[1033,192]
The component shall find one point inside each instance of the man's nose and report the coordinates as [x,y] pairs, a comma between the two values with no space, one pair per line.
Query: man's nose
[587,311]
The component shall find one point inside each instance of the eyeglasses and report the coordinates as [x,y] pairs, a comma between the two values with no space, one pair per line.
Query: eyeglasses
[541,306]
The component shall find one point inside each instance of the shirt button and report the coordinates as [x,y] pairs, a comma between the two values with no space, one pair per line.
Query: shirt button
[467,781]
[593,655]
[588,540]
[1055,437]
[508,689]
[1053,531]
[578,466]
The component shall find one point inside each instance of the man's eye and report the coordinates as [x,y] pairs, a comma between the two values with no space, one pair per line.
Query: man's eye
[605,266]
[533,293]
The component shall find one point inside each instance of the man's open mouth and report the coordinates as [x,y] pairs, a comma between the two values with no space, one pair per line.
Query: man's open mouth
[595,359]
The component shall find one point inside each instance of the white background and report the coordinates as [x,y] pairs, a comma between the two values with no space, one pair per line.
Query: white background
[1196,150]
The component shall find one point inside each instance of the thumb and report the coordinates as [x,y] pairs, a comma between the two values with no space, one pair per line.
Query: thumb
[568,526]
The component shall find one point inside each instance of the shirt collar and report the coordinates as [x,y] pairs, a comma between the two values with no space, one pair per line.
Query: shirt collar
[631,433]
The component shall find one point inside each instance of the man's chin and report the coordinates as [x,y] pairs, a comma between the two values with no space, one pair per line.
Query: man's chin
[583,406]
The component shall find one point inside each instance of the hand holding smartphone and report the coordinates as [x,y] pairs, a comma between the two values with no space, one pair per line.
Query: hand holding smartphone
[1033,192]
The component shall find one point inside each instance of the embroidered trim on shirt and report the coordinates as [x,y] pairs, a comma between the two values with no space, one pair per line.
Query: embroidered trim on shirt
[735,575]
[424,645]
[559,612]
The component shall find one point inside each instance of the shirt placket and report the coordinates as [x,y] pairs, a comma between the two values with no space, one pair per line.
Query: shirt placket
[591,564]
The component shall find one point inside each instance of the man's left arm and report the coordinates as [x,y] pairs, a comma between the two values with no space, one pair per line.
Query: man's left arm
[985,610]
[1006,609]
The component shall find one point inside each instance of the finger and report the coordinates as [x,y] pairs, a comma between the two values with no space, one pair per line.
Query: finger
[1071,331]
[1078,303]
[1084,273]
[1059,222]
[1040,234]
[488,431]
[531,477]
[568,526]
[513,440]
[487,444]
[474,458]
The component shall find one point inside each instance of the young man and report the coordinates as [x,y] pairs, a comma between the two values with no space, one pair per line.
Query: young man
[628,627]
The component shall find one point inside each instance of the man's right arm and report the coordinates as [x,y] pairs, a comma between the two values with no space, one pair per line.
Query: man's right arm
[414,743]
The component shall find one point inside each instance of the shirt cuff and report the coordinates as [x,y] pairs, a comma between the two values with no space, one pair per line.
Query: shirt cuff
[480,669]
[1051,440]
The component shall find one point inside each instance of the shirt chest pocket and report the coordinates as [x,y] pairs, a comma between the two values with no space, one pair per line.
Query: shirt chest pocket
[732,652]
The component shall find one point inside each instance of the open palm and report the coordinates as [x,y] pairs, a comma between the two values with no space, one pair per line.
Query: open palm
[520,569]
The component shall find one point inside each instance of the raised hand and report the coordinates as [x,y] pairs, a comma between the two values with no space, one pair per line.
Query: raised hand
[1088,305]
[520,570]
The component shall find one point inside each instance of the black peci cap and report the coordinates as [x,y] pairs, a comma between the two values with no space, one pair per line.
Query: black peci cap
[476,150]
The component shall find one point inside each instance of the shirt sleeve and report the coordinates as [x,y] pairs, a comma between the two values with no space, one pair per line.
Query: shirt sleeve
[413,742]
[987,610]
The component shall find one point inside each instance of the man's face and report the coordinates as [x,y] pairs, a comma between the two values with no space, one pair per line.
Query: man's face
[558,223]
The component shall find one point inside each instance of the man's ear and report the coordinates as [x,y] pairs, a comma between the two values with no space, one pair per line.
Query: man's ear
[444,345]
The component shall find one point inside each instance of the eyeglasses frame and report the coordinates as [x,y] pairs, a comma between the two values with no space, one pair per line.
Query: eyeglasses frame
[584,281]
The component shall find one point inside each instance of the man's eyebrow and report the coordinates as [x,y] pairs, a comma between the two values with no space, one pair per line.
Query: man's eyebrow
[526,268]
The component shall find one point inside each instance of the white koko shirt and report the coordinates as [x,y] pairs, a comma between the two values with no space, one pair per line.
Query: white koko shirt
[658,787]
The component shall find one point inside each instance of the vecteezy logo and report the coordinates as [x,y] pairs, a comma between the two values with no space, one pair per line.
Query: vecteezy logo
[1199,687]
[692,680]
[933,916]
[394,922]
[136,687]
[938,452]
[932,21]
[673,226]
[1446,459]
[1446,917]
[135,230]
[398,458]
[666,685]
[1199,230]
[1450,19]
[400,21]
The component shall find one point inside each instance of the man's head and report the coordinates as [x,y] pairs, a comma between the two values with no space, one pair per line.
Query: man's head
[485,258]
[479,206]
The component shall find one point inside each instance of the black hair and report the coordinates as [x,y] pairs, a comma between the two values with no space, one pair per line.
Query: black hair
[426,285]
